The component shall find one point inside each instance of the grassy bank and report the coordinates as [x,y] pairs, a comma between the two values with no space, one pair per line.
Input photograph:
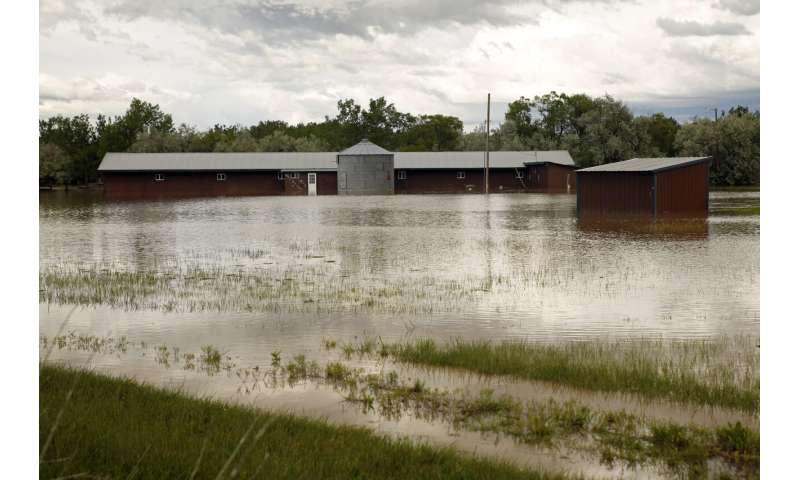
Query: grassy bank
[721,373]
[113,428]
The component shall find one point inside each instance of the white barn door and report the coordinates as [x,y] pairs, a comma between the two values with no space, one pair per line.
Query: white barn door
[312,183]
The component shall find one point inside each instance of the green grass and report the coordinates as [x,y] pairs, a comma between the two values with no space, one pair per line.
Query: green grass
[738,211]
[720,373]
[616,438]
[115,428]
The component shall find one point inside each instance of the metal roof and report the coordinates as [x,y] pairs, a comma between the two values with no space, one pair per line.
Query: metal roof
[365,147]
[297,161]
[561,157]
[217,161]
[647,164]
[503,159]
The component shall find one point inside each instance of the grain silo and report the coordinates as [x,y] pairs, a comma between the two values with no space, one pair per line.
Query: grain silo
[365,169]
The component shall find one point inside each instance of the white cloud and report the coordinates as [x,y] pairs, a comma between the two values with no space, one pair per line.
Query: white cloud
[208,63]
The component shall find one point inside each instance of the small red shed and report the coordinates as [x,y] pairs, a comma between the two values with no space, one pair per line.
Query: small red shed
[645,186]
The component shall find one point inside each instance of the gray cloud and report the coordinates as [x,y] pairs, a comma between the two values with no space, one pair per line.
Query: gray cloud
[287,23]
[740,7]
[689,28]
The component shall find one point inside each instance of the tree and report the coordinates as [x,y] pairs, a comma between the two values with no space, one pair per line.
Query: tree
[311,143]
[661,130]
[609,135]
[277,141]
[242,142]
[519,112]
[734,143]
[54,165]
[431,133]
[157,142]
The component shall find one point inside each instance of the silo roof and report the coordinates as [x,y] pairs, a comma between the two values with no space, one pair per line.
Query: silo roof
[365,147]
[647,164]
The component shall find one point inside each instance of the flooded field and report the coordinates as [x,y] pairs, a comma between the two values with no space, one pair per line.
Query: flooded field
[146,285]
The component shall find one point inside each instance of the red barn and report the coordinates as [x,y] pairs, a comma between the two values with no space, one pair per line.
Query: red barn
[154,175]
[645,187]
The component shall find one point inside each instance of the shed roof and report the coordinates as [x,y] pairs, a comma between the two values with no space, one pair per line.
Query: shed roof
[365,147]
[647,164]
[133,162]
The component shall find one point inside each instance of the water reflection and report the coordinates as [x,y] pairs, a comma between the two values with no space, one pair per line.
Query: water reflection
[645,227]
[498,266]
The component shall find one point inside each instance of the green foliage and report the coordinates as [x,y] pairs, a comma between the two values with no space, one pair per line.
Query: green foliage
[594,130]
[734,142]
[53,165]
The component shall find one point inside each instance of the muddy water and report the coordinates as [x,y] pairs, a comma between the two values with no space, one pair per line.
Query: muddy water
[497,267]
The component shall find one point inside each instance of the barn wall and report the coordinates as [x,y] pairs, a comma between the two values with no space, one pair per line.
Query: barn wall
[296,186]
[550,178]
[682,190]
[190,184]
[601,193]
[560,178]
[326,183]
[445,181]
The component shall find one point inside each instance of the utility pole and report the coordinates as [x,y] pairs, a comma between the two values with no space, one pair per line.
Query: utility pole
[715,114]
[486,161]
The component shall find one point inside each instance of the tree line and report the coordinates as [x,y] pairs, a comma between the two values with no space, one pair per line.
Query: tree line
[594,130]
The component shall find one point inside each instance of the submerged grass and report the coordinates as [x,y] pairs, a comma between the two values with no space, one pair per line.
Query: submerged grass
[116,428]
[615,437]
[719,373]
[738,211]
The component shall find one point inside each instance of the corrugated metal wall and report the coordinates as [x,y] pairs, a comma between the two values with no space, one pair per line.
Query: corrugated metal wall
[550,178]
[601,193]
[194,184]
[365,174]
[326,184]
[682,191]
[447,181]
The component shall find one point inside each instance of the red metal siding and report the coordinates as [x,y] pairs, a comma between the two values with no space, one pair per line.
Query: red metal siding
[445,181]
[682,190]
[550,178]
[326,184]
[191,184]
[601,193]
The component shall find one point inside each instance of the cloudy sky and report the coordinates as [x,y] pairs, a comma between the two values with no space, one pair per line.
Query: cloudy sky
[241,61]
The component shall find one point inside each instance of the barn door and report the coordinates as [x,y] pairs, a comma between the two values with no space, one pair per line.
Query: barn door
[312,183]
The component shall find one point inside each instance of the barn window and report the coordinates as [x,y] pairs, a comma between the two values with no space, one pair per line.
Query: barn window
[401,175]
[461,175]
[519,174]
[280,175]
[159,177]
[221,177]
[294,174]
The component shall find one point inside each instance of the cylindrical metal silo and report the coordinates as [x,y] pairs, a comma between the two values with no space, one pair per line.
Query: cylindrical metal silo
[365,169]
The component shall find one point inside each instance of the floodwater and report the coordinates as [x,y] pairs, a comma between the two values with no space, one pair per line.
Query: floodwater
[259,274]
